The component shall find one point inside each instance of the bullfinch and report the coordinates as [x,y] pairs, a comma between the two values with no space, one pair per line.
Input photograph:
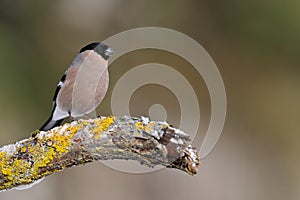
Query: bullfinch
[83,86]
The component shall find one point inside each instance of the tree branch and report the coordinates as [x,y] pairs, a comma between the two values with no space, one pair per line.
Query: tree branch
[105,138]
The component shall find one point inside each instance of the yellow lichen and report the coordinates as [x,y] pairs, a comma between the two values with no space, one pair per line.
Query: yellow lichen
[20,169]
[84,122]
[40,153]
[145,127]
[165,125]
[43,160]
[34,133]
[60,143]
[31,159]
[2,156]
[139,126]
[23,149]
[15,171]
[5,167]
[98,148]
[101,125]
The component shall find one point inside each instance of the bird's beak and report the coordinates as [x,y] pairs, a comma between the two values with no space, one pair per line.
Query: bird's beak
[109,52]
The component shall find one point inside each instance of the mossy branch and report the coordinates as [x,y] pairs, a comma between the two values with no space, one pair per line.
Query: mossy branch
[104,138]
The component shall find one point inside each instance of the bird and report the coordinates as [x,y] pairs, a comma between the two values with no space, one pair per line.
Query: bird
[83,86]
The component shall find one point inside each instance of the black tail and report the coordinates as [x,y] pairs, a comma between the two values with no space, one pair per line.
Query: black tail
[51,124]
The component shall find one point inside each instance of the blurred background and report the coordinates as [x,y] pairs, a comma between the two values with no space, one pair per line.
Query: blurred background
[255,45]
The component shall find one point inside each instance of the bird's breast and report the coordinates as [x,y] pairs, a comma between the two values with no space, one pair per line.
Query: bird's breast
[85,86]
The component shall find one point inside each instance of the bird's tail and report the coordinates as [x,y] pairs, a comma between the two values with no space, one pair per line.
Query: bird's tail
[50,123]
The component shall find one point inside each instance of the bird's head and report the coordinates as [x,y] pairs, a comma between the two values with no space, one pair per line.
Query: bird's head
[102,49]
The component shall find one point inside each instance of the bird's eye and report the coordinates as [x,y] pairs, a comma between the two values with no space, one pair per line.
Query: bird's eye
[108,52]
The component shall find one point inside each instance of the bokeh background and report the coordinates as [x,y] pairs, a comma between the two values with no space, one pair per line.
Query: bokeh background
[255,45]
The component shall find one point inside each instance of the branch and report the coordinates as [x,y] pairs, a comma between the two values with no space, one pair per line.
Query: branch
[83,141]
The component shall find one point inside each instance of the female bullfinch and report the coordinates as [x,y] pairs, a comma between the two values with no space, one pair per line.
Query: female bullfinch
[83,86]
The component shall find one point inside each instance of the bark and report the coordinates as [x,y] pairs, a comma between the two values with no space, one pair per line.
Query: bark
[105,138]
